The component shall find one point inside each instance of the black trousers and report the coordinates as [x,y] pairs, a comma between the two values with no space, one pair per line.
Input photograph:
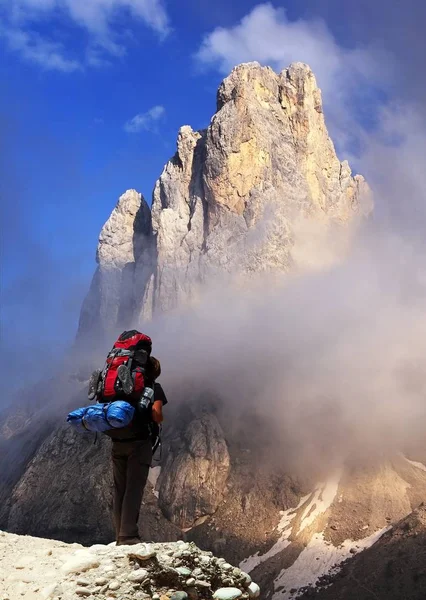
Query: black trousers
[131,462]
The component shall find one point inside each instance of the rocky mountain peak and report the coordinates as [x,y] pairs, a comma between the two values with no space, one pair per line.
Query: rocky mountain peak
[265,162]
[130,219]
[250,83]
[125,239]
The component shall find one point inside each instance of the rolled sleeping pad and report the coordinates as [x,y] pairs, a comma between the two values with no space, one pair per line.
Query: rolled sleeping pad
[102,417]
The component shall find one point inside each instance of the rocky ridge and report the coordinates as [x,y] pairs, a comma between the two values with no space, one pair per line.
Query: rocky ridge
[34,568]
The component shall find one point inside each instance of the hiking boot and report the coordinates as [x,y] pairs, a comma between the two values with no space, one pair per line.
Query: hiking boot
[126,380]
[93,384]
[128,541]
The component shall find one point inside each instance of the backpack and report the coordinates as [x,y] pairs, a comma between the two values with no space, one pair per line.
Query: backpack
[123,376]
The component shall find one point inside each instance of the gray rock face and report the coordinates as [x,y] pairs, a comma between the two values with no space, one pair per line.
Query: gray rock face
[260,189]
[192,481]
[125,240]
[66,493]
[53,469]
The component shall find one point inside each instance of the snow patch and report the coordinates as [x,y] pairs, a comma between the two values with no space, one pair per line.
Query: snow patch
[418,465]
[153,476]
[285,528]
[322,499]
[318,558]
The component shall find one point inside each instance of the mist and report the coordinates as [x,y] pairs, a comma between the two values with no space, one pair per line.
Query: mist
[333,358]
[332,362]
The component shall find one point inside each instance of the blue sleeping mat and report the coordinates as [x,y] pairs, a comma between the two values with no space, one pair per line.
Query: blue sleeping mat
[102,417]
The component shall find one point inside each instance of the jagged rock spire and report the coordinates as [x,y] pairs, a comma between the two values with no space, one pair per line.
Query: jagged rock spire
[265,163]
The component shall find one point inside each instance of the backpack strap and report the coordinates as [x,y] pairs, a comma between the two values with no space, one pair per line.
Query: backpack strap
[120,352]
[83,422]
[105,409]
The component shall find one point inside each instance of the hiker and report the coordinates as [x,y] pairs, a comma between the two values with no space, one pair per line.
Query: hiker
[129,410]
[131,459]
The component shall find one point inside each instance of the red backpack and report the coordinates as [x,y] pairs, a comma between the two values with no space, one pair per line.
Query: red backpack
[123,377]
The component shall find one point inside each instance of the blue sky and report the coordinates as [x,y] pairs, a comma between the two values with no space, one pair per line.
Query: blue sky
[93,94]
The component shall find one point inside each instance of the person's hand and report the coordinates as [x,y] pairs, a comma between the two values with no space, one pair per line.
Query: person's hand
[157,412]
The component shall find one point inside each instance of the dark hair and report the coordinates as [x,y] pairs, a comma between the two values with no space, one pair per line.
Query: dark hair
[154,367]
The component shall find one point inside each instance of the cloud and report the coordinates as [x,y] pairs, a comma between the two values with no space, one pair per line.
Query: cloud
[33,48]
[97,19]
[397,27]
[332,360]
[266,35]
[145,121]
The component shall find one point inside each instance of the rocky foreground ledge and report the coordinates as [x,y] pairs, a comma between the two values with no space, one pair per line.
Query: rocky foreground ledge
[33,568]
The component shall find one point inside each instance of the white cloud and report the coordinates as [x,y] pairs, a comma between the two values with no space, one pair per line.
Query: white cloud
[97,18]
[35,49]
[267,36]
[145,121]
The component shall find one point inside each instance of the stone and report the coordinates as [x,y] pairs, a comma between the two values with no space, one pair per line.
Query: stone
[179,596]
[200,583]
[193,593]
[83,591]
[80,563]
[114,585]
[83,582]
[101,581]
[184,546]
[253,590]
[190,582]
[228,593]
[183,571]
[142,553]
[139,575]
[54,589]
[99,549]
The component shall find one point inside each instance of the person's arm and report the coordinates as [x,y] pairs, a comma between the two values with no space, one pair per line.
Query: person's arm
[157,412]
[159,401]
